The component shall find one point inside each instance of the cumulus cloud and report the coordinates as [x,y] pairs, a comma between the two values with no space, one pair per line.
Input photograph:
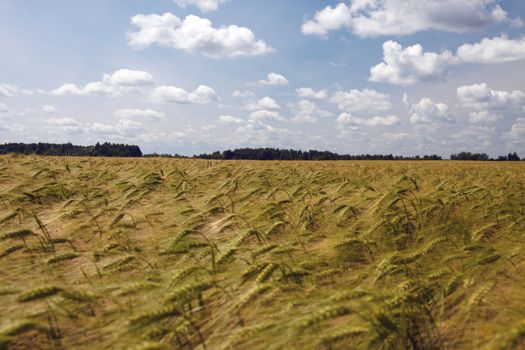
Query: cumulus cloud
[475,137]
[172,94]
[516,134]
[127,77]
[368,101]
[228,119]
[367,18]
[265,114]
[65,121]
[488,106]
[263,103]
[66,124]
[274,79]
[328,19]
[409,65]
[115,84]
[7,90]
[482,97]
[484,117]
[261,134]
[12,127]
[48,109]
[493,50]
[346,120]
[242,94]
[306,92]
[135,113]
[68,89]
[124,127]
[307,112]
[426,111]
[195,35]
[203,5]
[4,109]
[404,66]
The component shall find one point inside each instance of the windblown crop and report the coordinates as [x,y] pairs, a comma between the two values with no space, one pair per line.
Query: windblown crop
[161,254]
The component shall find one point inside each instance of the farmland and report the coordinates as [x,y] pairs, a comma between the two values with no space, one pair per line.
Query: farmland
[181,253]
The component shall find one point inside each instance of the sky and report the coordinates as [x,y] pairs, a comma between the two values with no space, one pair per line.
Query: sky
[191,76]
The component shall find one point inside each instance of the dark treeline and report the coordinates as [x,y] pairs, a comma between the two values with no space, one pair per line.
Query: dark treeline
[483,156]
[67,149]
[121,150]
[289,154]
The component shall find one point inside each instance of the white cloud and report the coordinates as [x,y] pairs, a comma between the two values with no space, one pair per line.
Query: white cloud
[337,64]
[346,120]
[195,35]
[328,19]
[12,127]
[426,111]
[68,89]
[265,114]
[65,121]
[495,50]
[368,101]
[475,138]
[482,97]
[404,66]
[263,103]
[398,136]
[402,17]
[203,5]
[127,77]
[172,94]
[115,84]
[135,113]
[203,94]
[65,124]
[242,94]
[228,119]
[274,79]
[123,127]
[409,65]
[307,112]
[517,132]
[261,134]
[7,90]
[484,117]
[4,109]
[48,109]
[306,92]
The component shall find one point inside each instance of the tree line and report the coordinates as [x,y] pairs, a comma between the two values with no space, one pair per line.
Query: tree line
[123,150]
[290,154]
[67,149]
[483,156]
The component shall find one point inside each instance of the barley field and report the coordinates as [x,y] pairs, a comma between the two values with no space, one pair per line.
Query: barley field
[110,253]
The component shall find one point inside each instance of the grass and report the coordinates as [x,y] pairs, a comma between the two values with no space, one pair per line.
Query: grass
[193,254]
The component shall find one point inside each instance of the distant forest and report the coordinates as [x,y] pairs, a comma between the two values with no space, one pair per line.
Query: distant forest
[121,150]
[284,154]
[67,149]
[289,154]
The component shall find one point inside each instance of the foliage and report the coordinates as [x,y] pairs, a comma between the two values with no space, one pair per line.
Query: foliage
[50,149]
[289,154]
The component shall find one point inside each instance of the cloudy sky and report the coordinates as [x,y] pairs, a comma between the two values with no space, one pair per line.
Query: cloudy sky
[189,76]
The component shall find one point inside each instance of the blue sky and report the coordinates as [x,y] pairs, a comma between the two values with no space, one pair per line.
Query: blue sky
[189,76]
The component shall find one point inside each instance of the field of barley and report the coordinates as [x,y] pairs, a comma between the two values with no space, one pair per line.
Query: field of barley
[100,253]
